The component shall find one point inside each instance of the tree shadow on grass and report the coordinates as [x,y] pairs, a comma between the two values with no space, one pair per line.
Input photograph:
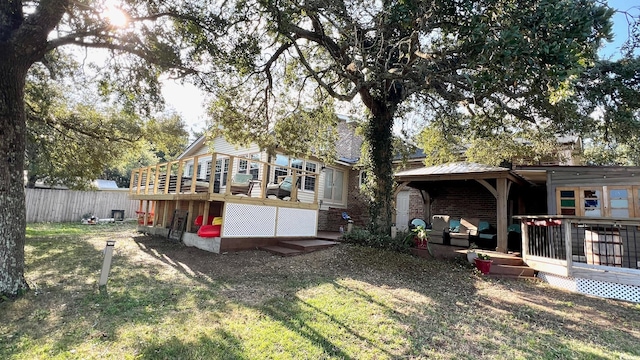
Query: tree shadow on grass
[435,308]
[218,342]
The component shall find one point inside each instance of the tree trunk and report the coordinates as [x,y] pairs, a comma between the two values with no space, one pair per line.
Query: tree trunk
[380,137]
[12,198]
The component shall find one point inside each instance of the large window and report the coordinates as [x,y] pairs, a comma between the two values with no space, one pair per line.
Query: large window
[306,182]
[599,201]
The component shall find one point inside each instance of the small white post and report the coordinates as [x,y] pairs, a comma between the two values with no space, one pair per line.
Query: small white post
[394,231]
[106,265]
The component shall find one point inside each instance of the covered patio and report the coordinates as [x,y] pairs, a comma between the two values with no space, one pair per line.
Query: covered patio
[496,180]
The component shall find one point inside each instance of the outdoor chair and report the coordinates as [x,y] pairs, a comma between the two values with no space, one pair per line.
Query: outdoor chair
[242,184]
[487,237]
[281,190]
[438,225]
[461,231]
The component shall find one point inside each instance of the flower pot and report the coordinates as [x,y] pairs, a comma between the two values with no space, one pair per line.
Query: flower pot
[420,243]
[483,265]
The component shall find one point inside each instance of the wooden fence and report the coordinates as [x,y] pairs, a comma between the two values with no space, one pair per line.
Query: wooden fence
[46,205]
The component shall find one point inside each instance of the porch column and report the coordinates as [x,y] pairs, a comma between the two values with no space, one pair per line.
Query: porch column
[501,216]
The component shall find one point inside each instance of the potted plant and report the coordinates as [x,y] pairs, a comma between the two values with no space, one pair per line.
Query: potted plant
[420,237]
[483,263]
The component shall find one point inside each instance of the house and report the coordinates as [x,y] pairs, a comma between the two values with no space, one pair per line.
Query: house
[203,183]
[579,226]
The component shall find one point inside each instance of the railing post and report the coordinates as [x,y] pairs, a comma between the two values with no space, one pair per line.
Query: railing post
[179,176]
[147,181]
[167,178]
[567,224]
[132,181]
[157,178]
[139,180]
[524,231]
[294,185]
[194,176]
[227,189]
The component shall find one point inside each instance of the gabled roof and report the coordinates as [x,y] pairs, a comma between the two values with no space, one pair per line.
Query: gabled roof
[194,145]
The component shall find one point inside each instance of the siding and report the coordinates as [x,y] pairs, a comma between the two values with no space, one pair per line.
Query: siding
[46,205]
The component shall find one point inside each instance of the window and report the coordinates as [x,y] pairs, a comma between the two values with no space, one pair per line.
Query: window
[188,171]
[281,170]
[242,166]
[333,185]
[310,181]
[592,202]
[222,171]
[604,201]
[254,166]
[620,203]
[208,174]
[567,200]
[363,178]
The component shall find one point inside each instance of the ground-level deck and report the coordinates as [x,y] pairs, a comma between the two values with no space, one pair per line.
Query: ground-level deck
[595,256]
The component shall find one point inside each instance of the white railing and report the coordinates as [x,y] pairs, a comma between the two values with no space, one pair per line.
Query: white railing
[600,249]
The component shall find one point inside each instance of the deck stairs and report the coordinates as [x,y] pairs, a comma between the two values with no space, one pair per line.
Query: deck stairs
[298,247]
[505,266]
[508,266]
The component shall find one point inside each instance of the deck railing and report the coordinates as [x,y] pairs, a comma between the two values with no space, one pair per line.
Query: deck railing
[172,177]
[596,248]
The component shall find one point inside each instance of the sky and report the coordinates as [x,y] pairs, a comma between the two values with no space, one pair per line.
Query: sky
[189,102]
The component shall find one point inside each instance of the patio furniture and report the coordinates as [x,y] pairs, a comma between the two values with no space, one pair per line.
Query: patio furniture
[281,190]
[438,225]
[487,237]
[461,231]
[241,184]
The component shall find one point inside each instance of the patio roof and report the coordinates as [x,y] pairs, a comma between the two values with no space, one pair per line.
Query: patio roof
[483,174]
[456,171]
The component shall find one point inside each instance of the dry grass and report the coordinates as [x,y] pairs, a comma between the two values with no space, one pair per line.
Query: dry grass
[167,301]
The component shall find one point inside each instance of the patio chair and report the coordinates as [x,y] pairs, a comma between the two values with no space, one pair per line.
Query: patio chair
[487,237]
[438,225]
[242,184]
[461,231]
[281,190]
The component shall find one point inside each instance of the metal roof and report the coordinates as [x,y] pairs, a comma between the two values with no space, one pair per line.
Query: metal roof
[461,167]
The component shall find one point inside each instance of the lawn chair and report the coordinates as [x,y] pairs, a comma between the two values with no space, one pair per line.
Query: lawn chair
[241,184]
[281,190]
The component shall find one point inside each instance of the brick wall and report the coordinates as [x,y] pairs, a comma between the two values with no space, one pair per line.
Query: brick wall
[416,205]
[357,208]
[463,199]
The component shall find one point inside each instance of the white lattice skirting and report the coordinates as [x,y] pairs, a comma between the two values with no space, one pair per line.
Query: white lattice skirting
[593,287]
[244,220]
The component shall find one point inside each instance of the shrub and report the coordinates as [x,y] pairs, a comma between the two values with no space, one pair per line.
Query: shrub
[360,236]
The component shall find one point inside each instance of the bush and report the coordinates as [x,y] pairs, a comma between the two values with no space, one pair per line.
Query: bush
[402,243]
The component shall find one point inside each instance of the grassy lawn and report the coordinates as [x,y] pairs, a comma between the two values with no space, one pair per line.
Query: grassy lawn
[168,301]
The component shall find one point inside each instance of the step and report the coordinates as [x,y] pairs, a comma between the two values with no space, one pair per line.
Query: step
[512,277]
[519,270]
[282,251]
[498,257]
[307,245]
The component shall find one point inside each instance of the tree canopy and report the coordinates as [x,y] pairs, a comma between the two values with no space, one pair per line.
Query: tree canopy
[141,39]
[489,65]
